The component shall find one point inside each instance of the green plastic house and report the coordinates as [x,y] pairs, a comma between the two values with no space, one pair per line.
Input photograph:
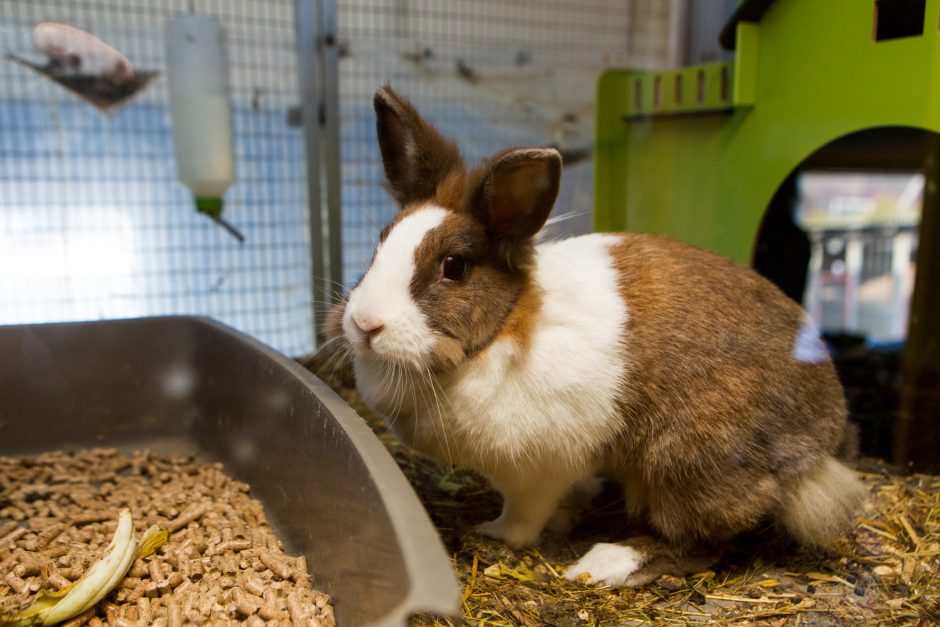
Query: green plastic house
[698,153]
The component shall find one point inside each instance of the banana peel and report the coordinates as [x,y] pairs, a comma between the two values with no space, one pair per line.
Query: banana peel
[51,607]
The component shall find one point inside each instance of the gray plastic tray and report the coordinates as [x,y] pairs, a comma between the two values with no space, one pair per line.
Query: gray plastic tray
[192,386]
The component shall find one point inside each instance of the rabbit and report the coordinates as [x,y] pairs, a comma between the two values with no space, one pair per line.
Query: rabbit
[687,378]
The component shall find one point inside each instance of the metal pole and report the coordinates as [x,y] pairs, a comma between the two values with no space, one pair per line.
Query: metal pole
[307,20]
[678,33]
[330,91]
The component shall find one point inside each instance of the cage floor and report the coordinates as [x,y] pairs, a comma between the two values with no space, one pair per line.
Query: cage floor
[887,568]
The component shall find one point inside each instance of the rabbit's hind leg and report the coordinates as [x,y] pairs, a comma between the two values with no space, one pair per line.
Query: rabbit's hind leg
[638,561]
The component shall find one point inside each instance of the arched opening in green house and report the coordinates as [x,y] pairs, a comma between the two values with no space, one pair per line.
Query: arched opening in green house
[841,235]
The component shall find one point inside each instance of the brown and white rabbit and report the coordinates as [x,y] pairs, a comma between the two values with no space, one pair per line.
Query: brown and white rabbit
[691,380]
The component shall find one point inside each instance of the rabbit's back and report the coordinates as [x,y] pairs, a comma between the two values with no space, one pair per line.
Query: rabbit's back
[729,393]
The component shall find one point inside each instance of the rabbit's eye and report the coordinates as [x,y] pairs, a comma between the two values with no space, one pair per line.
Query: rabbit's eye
[454,268]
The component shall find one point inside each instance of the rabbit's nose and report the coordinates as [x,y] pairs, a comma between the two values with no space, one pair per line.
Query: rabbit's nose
[370,327]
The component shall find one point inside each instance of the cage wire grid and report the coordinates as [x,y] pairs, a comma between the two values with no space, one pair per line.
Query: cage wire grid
[93,223]
[491,74]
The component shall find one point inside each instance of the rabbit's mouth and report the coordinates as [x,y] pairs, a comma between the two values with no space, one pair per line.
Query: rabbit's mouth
[394,346]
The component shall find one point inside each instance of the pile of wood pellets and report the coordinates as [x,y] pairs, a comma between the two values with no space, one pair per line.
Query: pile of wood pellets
[222,562]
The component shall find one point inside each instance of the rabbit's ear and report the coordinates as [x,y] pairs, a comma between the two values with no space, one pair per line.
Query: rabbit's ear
[416,156]
[517,192]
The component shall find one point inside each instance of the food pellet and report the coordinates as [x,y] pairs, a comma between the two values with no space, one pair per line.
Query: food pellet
[221,563]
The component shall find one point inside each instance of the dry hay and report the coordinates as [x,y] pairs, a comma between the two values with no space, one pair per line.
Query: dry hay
[885,570]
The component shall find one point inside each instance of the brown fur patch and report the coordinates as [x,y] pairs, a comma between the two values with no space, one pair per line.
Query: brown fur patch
[417,158]
[471,312]
[521,323]
[451,192]
[720,418]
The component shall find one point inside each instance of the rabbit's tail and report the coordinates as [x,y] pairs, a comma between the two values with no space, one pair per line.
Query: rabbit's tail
[822,504]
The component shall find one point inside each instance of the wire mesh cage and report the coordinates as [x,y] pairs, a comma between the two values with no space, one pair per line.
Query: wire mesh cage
[93,223]
[491,74]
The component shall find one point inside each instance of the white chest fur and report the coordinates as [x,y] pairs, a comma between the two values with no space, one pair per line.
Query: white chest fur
[551,402]
[554,399]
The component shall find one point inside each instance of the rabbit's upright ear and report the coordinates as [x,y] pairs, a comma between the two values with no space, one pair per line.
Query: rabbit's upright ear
[517,192]
[416,156]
